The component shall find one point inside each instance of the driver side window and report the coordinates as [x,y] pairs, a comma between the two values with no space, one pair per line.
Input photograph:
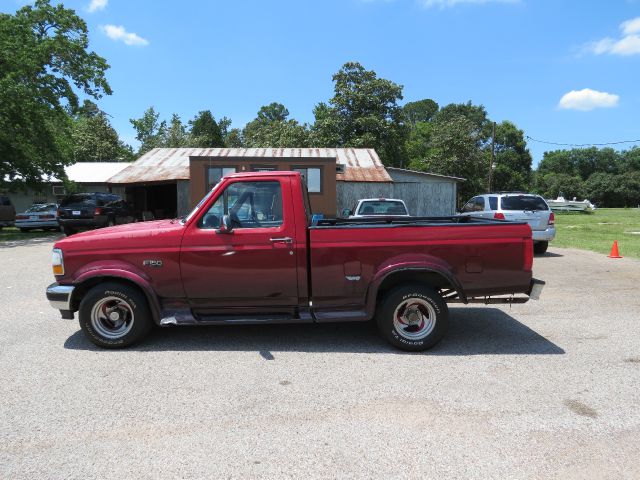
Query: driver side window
[249,204]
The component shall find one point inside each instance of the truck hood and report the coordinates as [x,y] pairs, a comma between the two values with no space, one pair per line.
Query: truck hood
[168,233]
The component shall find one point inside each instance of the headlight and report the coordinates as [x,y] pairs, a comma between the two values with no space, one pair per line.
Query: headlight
[57,262]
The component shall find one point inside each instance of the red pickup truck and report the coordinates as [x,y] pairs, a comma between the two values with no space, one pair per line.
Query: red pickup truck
[249,253]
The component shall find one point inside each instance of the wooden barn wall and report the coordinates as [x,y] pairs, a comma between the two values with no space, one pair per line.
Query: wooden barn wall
[423,199]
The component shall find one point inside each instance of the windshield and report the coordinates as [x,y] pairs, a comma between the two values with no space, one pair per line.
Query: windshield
[382,207]
[41,208]
[523,202]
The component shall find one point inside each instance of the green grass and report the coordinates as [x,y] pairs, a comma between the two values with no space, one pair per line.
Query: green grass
[596,231]
[10,234]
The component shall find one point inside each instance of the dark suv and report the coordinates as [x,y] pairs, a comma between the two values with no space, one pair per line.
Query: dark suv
[93,210]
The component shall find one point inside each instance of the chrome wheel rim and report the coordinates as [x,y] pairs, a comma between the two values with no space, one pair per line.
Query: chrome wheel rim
[414,319]
[112,317]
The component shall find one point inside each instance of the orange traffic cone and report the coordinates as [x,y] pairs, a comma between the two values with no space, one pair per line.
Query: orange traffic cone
[614,250]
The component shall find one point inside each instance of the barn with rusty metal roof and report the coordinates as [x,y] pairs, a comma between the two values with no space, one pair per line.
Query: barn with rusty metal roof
[166,182]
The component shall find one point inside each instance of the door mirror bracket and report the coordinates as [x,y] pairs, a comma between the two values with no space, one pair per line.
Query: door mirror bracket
[225,225]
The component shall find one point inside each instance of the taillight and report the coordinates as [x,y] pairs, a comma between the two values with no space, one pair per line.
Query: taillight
[46,216]
[21,217]
[528,254]
[59,212]
[98,211]
[552,218]
[498,216]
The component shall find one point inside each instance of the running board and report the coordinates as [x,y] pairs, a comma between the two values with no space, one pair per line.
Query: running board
[186,317]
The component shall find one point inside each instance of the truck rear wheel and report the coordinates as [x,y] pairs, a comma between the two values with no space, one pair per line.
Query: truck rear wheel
[115,315]
[413,317]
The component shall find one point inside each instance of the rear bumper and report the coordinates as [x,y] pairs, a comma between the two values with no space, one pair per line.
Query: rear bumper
[59,297]
[544,235]
[37,224]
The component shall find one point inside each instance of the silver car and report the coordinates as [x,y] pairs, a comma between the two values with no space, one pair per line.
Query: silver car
[517,207]
[38,215]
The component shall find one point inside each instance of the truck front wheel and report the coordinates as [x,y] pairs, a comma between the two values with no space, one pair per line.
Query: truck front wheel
[114,315]
[413,317]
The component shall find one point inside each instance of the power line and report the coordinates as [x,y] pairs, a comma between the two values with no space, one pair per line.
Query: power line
[581,144]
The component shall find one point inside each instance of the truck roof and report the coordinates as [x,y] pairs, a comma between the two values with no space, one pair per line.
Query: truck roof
[279,173]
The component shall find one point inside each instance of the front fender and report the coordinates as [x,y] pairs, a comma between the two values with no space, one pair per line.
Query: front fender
[126,271]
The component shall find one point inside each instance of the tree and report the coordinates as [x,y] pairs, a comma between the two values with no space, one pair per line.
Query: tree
[512,170]
[231,137]
[150,132]
[272,129]
[363,112]
[175,135]
[274,112]
[420,111]
[205,131]
[44,62]
[454,149]
[94,139]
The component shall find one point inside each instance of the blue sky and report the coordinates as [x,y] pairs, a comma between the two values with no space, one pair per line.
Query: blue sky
[518,58]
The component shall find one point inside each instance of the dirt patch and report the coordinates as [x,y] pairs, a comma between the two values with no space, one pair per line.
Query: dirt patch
[632,360]
[580,408]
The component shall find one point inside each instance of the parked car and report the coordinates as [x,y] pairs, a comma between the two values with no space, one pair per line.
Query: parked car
[7,212]
[248,254]
[38,215]
[81,211]
[378,207]
[519,207]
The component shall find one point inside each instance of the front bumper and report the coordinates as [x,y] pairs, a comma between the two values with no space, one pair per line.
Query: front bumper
[544,235]
[59,297]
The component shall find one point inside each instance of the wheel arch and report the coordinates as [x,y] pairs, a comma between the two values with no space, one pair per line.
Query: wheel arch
[88,282]
[426,275]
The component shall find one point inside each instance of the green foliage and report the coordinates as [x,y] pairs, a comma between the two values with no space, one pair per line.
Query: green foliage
[420,111]
[44,61]
[364,113]
[603,175]
[175,135]
[456,140]
[271,128]
[205,131]
[149,130]
[94,139]
[454,149]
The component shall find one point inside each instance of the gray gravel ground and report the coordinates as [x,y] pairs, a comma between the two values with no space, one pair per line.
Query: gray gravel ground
[550,389]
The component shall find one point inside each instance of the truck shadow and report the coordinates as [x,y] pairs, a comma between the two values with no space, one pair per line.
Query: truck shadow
[473,331]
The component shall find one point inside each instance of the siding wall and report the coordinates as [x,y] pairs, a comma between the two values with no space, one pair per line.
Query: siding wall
[23,200]
[426,198]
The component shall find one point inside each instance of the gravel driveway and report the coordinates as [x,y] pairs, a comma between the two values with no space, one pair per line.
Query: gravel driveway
[549,389]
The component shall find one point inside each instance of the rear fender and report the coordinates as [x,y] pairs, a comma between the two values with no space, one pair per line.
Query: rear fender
[114,270]
[413,263]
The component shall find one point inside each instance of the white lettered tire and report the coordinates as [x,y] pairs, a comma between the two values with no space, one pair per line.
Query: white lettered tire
[115,315]
[413,317]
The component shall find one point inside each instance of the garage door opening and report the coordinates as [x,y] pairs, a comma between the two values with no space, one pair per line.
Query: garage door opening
[154,202]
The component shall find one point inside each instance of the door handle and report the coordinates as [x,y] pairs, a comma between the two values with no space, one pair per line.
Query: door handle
[281,240]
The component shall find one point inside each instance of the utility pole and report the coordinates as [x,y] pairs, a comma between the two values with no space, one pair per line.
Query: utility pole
[493,154]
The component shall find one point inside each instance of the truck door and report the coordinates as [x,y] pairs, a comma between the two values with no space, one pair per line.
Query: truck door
[255,264]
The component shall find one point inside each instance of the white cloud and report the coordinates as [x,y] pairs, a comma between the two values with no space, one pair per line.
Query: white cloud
[453,3]
[587,99]
[118,33]
[97,5]
[629,44]
[631,26]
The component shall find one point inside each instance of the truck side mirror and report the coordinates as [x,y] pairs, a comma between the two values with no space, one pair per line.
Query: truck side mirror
[346,213]
[225,225]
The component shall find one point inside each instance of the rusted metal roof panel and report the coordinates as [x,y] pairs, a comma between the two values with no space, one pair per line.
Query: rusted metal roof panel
[166,164]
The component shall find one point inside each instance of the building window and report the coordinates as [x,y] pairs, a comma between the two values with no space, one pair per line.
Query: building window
[312,177]
[215,174]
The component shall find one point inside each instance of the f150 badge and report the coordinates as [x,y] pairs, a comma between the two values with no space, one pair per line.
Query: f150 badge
[152,263]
